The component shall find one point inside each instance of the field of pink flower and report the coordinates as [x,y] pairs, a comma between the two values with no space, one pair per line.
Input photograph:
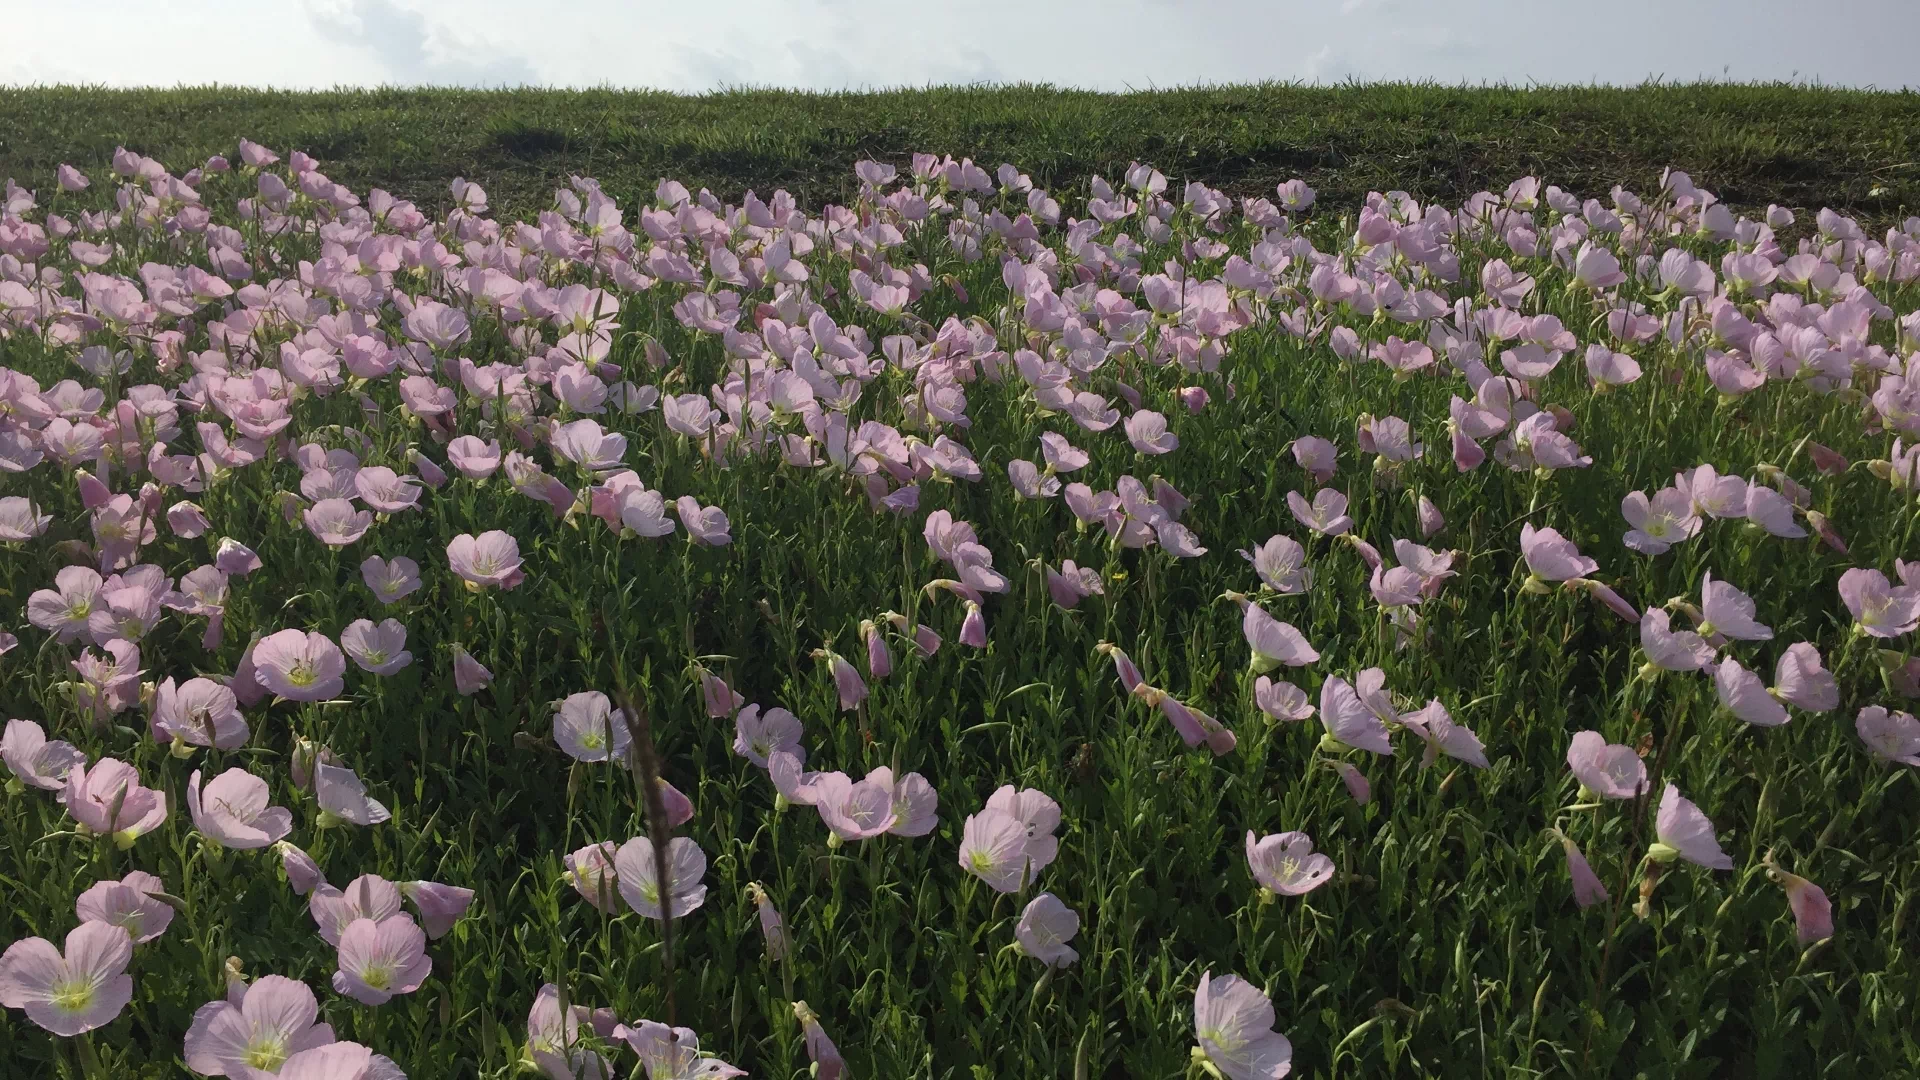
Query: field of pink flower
[975,631]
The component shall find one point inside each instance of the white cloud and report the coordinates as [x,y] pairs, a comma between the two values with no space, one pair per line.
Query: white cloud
[851,44]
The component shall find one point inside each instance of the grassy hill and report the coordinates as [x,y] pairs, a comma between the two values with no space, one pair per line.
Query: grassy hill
[1857,151]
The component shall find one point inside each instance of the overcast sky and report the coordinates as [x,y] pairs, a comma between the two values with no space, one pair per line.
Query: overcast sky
[840,44]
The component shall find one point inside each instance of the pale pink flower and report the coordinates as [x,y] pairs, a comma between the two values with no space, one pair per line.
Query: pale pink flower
[758,736]
[472,458]
[440,906]
[65,609]
[391,581]
[1286,863]
[80,990]
[993,846]
[492,558]
[552,1036]
[234,558]
[343,795]
[1685,833]
[1436,726]
[232,811]
[640,885]
[303,874]
[128,904]
[1326,515]
[1045,927]
[706,524]
[1316,455]
[1608,770]
[1812,911]
[256,1029]
[386,491]
[470,676]
[380,960]
[368,896]
[299,665]
[1745,695]
[592,873]
[585,727]
[1273,642]
[672,1053]
[34,760]
[94,793]
[1800,679]
[1660,522]
[1233,1022]
[1281,564]
[1147,431]
[1552,557]
[1281,700]
[1587,889]
[1348,721]
[1672,650]
[1879,608]
[1893,737]
[1728,612]
[380,650]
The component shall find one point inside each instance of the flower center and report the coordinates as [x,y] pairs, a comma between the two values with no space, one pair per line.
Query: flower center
[378,975]
[266,1052]
[980,861]
[301,673]
[72,995]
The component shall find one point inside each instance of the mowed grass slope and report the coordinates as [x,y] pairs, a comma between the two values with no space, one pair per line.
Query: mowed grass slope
[1856,151]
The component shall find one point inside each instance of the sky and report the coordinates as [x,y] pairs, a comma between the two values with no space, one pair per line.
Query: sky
[867,44]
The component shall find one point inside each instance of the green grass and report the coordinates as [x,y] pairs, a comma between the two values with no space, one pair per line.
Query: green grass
[1857,151]
[1447,946]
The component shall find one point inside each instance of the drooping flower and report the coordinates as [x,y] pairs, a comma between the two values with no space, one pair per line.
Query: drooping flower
[1233,1022]
[470,676]
[1552,557]
[440,906]
[232,811]
[1668,649]
[1285,863]
[303,874]
[1685,833]
[1812,911]
[1801,680]
[1045,927]
[1281,700]
[1273,642]
[827,1062]
[1443,736]
[255,1029]
[1745,695]
[68,993]
[379,960]
[639,881]
[1587,889]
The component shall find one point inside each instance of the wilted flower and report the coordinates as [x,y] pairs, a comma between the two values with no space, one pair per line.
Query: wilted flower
[1812,912]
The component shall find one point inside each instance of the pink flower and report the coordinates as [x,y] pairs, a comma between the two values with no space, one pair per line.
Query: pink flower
[390,581]
[1348,721]
[1812,911]
[234,558]
[342,794]
[256,1029]
[303,874]
[64,609]
[1147,431]
[1233,1022]
[1800,679]
[672,1053]
[1436,726]
[1893,737]
[1039,814]
[470,676]
[1879,608]
[380,960]
[1281,700]
[380,650]
[1316,455]
[585,727]
[1281,564]
[1660,522]
[368,896]
[772,927]
[93,794]
[1286,863]
[1608,770]
[1552,557]
[36,761]
[639,881]
[1045,927]
[1273,642]
[707,525]
[757,736]
[551,1039]
[1355,781]
[472,458]
[1685,833]
[592,873]
[299,665]
[993,848]
[1728,612]
[232,811]
[83,989]
[847,682]
[198,711]
[440,906]
[384,490]
[492,558]
[1672,650]
[128,904]
[1587,889]
[1327,514]
[1742,692]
